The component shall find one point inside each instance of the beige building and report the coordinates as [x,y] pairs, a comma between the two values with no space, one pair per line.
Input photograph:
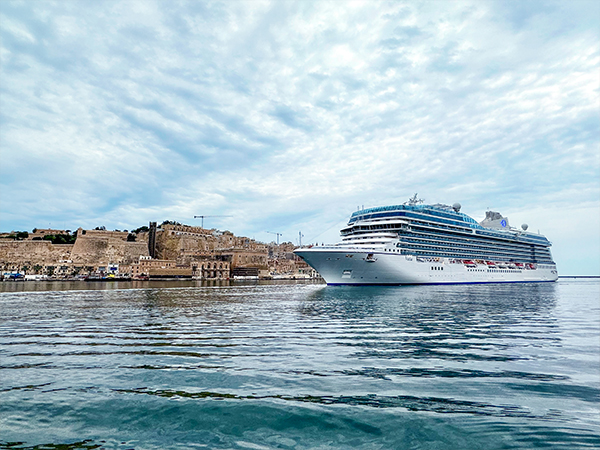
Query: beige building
[159,268]
[211,269]
[181,250]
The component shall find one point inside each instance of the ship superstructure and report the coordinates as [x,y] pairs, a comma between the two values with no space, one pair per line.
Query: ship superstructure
[415,243]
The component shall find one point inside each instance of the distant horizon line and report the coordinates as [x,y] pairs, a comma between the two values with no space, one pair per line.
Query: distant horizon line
[579,276]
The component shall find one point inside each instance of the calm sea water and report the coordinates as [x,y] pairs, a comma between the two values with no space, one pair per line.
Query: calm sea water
[300,366]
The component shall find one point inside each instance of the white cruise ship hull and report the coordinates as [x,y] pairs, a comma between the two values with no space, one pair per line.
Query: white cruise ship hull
[355,266]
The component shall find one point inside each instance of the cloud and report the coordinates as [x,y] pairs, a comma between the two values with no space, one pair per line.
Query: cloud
[287,116]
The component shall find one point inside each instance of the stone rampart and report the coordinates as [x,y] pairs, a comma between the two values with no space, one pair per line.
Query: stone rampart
[96,250]
[35,252]
[121,235]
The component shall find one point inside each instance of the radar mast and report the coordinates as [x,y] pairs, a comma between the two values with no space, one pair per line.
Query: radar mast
[414,200]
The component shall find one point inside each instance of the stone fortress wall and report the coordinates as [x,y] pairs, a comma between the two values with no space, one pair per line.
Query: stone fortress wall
[121,235]
[105,250]
[34,252]
[95,247]
[201,252]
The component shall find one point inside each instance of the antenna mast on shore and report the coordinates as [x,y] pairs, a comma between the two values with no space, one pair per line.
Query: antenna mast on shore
[278,234]
[202,217]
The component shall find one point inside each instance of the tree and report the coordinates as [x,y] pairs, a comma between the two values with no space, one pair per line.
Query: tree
[60,238]
[22,235]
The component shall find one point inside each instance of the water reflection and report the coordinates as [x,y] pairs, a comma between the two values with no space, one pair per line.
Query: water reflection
[47,286]
[497,299]
[477,350]
[43,286]
[453,323]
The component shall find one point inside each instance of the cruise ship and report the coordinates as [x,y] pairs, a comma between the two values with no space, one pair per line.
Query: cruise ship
[416,243]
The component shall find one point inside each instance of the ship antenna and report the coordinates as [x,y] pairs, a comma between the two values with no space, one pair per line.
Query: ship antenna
[414,200]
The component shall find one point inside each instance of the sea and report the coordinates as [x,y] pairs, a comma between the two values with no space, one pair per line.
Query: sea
[187,365]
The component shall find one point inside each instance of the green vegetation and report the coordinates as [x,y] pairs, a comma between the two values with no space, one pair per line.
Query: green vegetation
[61,238]
[140,230]
[19,235]
[169,222]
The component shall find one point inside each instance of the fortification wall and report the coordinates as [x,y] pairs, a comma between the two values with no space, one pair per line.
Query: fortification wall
[35,252]
[121,235]
[171,246]
[124,252]
[97,250]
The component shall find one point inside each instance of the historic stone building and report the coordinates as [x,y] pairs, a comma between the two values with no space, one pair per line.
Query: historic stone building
[211,269]
[181,251]
[159,268]
[190,245]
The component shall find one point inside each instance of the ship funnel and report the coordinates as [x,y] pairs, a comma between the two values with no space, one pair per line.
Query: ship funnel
[456,207]
[524,226]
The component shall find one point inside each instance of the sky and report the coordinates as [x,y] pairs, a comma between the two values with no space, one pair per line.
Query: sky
[288,116]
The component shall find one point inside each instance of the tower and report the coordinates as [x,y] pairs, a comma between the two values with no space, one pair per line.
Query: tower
[152,240]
